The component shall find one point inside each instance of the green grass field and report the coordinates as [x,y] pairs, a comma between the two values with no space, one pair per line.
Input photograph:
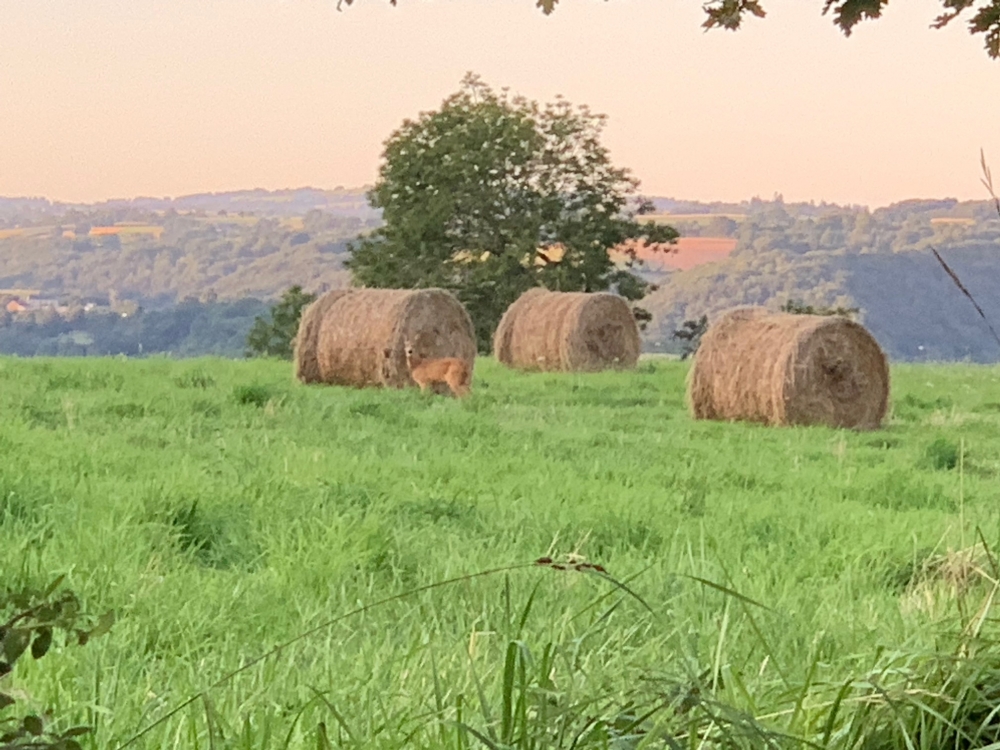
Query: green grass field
[221,509]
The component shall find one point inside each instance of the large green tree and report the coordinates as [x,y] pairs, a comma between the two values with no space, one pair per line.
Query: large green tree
[493,194]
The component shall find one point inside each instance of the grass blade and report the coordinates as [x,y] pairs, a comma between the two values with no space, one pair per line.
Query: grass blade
[967,293]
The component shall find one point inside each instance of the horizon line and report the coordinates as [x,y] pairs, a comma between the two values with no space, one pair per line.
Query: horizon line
[365,188]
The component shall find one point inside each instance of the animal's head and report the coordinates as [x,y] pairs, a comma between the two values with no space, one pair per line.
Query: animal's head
[408,349]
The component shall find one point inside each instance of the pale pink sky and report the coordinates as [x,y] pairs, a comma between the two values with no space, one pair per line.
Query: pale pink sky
[119,98]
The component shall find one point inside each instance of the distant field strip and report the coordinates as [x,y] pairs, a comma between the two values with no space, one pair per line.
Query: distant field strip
[126,230]
[687,252]
[954,220]
[25,232]
[701,218]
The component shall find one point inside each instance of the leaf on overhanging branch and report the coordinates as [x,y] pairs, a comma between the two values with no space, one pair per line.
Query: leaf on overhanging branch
[76,731]
[5,700]
[987,21]
[728,14]
[15,641]
[103,625]
[43,640]
[851,12]
[5,668]
[51,588]
[33,725]
[954,8]
[547,6]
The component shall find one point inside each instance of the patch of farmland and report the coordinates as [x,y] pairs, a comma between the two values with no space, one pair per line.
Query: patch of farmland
[126,230]
[692,218]
[25,232]
[956,220]
[686,253]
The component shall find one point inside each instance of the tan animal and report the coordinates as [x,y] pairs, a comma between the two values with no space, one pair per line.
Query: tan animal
[455,372]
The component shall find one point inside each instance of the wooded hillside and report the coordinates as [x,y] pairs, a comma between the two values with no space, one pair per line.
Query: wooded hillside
[157,253]
[877,261]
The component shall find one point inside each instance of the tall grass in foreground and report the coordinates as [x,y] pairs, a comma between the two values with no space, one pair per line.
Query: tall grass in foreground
[806,587]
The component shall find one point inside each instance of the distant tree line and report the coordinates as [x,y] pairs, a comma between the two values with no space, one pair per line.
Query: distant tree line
[190,328]
[160,259]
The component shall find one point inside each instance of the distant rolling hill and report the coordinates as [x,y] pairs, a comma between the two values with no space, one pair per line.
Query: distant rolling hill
[271,203]
[877,261]
[227,246]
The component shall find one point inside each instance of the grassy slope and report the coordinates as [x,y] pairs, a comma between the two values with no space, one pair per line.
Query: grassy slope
[221,508]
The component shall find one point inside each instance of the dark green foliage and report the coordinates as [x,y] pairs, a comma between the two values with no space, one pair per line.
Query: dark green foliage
[32,617]
[252,395]
[194,534]
[798,307]
[191,328]
[898,490]
[911,408]
[126,411]
[197,378]
[492,195]
[274,336]
[942,453]
[689,334]
[642,316]
[729,14]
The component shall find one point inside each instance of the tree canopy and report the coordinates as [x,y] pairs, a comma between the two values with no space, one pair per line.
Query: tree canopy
[729,14]
[493,194]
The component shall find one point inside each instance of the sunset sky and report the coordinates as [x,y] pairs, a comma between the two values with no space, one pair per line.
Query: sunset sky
[121,98]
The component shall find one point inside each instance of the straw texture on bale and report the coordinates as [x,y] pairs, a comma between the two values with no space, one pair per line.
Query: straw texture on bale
[362,337]
[569,331]
[784,369]
[307,340]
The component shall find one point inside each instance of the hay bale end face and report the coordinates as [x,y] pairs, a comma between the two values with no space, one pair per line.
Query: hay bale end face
[567,331]
[783,369]
[306,354]
[362,336]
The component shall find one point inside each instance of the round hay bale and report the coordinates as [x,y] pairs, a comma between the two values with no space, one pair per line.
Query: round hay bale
[362,337]
[784,369]
[306,354]
[568,331]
